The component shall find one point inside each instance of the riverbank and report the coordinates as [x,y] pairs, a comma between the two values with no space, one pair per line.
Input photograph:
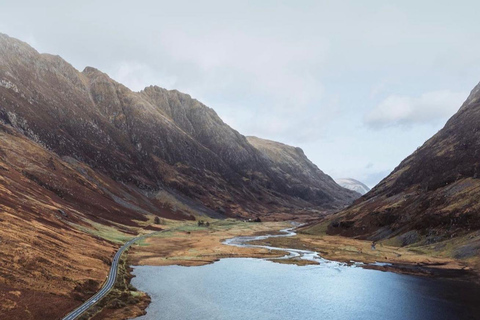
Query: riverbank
[383,257]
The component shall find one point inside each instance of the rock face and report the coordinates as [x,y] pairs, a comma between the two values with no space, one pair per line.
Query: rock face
[432,195]
[353,185]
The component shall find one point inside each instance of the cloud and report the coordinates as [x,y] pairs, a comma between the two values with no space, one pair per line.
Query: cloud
[430,107]
[304,73]
[259,84]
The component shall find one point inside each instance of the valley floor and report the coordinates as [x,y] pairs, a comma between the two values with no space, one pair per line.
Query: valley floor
[191,245]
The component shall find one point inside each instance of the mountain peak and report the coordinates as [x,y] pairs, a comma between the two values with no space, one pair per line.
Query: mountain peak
[94,73]
[91,70]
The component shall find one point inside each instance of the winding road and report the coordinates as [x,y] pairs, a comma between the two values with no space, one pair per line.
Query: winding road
[112,276]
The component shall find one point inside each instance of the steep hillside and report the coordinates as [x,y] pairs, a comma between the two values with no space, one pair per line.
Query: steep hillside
[353,185]
[432,195]
[46,203]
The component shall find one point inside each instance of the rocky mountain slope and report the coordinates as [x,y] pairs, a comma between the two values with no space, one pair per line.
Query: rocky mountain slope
[153,140]
[433,195]
[86,163]
[353,185]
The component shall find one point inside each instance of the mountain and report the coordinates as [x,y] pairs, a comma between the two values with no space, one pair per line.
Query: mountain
[86,163]
[433,195]
[154,140]
[352,184]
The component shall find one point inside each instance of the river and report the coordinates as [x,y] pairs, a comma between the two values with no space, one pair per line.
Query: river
[247,288]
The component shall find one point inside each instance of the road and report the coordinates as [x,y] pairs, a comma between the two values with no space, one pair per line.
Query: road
[112,276]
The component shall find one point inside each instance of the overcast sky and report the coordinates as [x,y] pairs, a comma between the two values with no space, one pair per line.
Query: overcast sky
[359,85]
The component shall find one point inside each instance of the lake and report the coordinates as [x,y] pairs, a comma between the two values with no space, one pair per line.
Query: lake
[239,288]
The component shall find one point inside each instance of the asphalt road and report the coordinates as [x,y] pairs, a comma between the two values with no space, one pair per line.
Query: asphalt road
[112,276]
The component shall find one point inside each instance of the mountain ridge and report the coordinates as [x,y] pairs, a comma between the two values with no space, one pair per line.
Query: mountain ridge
[153,133]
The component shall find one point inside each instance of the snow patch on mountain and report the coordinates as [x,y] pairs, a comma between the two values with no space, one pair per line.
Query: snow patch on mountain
[353,184]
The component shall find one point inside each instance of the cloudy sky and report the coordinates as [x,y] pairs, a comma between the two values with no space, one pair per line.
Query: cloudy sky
[358,85]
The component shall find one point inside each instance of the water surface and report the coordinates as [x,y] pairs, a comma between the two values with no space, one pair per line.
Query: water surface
[240,288]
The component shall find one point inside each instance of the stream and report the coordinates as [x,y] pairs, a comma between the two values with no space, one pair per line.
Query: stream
[291,253]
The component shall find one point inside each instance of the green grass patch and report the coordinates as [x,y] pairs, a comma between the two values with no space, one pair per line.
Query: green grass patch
[318,229]
[106,232]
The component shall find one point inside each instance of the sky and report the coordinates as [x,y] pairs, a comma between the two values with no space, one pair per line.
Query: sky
[358,85]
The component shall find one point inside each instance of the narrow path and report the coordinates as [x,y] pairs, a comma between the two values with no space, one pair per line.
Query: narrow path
[111,278]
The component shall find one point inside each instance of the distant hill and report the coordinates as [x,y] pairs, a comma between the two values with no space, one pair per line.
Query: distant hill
[353,185]
[299,172]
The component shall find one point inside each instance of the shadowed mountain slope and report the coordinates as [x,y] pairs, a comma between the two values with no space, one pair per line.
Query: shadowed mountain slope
[433,195]
[300,173]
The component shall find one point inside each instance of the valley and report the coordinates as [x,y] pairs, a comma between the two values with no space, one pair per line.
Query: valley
[104,190]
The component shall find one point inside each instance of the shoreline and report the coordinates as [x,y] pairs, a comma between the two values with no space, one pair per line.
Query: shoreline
[383,258]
